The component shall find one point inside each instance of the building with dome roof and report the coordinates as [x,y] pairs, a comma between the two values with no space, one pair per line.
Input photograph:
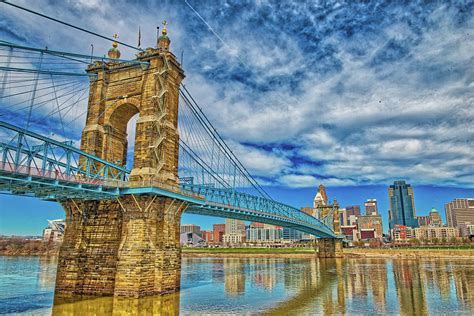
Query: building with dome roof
[433,219]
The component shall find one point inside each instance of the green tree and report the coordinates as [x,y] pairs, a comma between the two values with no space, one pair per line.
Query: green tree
[415,242]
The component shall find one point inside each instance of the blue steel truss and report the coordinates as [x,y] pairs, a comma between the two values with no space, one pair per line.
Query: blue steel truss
[32,164]
[229,203]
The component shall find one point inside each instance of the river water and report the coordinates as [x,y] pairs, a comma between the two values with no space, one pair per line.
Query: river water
[275,286]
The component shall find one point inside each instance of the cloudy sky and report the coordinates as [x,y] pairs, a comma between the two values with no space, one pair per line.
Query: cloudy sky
[348,94]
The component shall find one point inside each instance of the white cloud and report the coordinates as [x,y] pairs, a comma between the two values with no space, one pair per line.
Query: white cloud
[298,181]
[317,104]
[260,162]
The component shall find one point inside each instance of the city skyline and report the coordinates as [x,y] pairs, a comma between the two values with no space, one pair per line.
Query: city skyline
[28,216]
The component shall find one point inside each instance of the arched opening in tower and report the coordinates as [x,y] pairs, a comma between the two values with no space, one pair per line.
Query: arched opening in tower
[131,132]
[120,139]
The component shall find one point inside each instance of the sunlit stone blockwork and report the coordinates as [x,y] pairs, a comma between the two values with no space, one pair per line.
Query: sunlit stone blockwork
[128,246]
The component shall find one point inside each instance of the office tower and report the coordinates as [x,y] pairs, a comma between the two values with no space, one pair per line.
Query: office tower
[353,210]
[321,197]
[373,222]
[435,218]
[402,205]
[371,207]
[218,230]
[207,235]
[267,233]
[291,234]
[459,211]
[423,220]
[343,217]
[234,231]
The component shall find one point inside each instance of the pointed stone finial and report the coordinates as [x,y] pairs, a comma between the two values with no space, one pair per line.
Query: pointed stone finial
[114,52]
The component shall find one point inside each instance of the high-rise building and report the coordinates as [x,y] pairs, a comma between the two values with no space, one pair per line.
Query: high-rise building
[343,217]
[374,222]
[353,210]
[291,234]
[321,198]
[263,234]
[371,207]
[207,235]
[402,205]
[467,230]
[218,230]
[435,218]
[234,231]
[350,216]
[423,220]
[459,211]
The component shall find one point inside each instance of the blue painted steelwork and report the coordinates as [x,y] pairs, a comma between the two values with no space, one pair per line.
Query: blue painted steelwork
[47,72]
[31,164]
[233,204]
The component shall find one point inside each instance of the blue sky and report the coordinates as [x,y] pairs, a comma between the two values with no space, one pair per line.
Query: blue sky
[352,95]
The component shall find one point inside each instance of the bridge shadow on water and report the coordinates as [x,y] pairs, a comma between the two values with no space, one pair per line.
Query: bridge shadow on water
[309,282]
[154,305]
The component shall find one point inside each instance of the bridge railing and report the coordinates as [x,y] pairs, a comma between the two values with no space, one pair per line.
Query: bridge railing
[232,199]
[27,152]
[47,173]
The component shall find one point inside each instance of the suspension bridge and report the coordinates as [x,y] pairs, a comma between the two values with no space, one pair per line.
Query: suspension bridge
[123,201]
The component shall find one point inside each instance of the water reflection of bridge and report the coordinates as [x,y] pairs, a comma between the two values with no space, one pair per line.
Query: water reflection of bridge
[330,286]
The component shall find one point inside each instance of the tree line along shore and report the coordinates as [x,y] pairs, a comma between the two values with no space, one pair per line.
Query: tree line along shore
[25,247]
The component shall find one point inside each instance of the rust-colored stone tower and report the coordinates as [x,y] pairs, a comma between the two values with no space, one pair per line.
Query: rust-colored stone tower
[128,246]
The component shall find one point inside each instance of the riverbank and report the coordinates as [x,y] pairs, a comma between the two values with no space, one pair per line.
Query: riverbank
[249,252]
[26,247]
[20,247]
[463,253]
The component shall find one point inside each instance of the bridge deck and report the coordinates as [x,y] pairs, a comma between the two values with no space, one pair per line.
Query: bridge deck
[56,186]
[35,165]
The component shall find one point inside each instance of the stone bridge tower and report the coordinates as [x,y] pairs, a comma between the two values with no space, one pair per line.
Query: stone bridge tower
[330,247]
[128,246]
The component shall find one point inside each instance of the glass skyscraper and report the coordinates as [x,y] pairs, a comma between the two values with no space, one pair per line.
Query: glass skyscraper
[402,205]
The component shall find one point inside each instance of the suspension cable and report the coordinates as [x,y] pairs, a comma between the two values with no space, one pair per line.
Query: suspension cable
[70,25]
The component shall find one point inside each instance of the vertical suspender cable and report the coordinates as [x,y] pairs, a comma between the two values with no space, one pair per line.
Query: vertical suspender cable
[5,76]
[34,92]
